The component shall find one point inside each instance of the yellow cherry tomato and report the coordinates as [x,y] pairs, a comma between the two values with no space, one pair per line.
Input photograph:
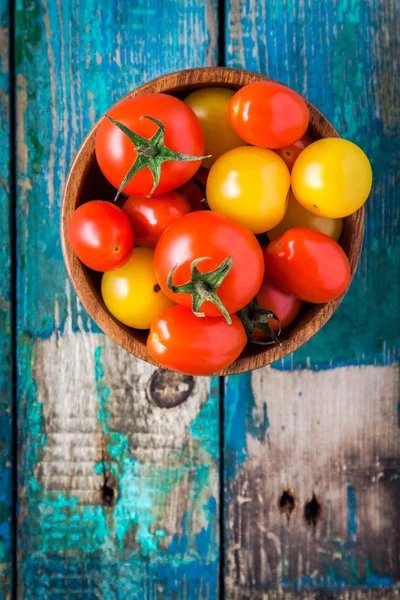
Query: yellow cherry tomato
[211,107]
[332,178]
[250,185]
[297,216]
[132,293]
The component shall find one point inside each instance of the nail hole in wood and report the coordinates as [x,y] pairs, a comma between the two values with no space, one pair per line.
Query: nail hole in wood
[108,492]
[287,503]
[313,511]
[167,389]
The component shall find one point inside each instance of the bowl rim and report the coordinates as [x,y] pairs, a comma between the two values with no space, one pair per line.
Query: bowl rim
[175,82]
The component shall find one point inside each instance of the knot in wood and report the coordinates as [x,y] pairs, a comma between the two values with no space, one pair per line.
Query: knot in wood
[167,389]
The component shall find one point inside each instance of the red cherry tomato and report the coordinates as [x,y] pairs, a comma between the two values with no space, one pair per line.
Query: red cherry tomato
[195,345]
[150,217]
[290,153]
[116,154]
[215,236]
[308,264]
[268,114]
[274,298]
[100,235]
[195,189]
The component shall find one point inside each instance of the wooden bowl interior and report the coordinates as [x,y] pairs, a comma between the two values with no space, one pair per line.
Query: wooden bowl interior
[86,182]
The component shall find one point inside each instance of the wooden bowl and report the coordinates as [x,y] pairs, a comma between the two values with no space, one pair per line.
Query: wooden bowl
[86,182]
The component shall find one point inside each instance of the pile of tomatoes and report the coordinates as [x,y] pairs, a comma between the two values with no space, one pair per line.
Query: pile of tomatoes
[227,219]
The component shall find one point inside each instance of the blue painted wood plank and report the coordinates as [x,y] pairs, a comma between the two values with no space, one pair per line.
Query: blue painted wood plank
[6,351]
[304,426]
[88,434]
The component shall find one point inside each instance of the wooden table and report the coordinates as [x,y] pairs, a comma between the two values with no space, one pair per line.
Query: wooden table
[137,484]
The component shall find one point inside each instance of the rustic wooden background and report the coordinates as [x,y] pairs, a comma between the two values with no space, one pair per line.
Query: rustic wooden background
[133,484]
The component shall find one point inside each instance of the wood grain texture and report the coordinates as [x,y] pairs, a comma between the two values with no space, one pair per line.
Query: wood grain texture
[324,420]
[85,177]
[118,495]
[6,342]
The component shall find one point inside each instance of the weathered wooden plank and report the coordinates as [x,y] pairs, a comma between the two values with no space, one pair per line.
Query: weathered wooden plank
[118,495]
[329,432]
[6,342]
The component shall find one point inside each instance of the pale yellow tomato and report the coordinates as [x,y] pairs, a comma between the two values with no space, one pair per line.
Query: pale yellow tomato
[332,178]
[297,216]
[132,294]
[211,107]
[250,185]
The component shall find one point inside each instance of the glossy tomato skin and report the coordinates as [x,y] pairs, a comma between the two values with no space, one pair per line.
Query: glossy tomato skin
[115,152]
[272,297]
[268,114]
[332,178]
[308,265]
[195,189]
[100,235]
[211,107]
[132,294]
[251,186]
[290,153]
[297,216]
[194,345]
[209,234]
[150,217]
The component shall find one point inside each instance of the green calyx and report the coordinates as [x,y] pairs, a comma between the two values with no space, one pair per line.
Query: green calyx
[254,317]
[151,153]
[203,287]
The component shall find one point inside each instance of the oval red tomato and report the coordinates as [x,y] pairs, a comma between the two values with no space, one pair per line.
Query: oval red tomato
[272,297]
[196,346]
[268,114]
[101,235]
[290,153]
[116,153]
[150,217]
[215,237]
[195,189]
[308,264]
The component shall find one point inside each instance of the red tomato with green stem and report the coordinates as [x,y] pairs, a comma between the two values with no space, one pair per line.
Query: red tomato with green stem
[209,262]
[151,143]
[308,264]
[283,305]
[268,114]
[101,235]
[150,217]
[183,342]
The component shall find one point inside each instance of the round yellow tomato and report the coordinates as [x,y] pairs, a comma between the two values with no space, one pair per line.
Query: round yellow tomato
[132,294]
[332,178]
[250,185]
[297,216]
[211,107]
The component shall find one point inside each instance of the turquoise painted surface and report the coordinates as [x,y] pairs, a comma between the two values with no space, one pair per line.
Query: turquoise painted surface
[331,52]
[6,386]
[73,61]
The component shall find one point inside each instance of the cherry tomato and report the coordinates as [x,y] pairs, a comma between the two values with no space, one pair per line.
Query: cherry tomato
[116,153]
[308,265]
[100,235]
[332,178]
[290,153]
[197,346]
[195,190]
[216,237]
[211,107]
[250,185]
[150,217]
[274,298]
[132,294]
[268,114]
[297,216]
